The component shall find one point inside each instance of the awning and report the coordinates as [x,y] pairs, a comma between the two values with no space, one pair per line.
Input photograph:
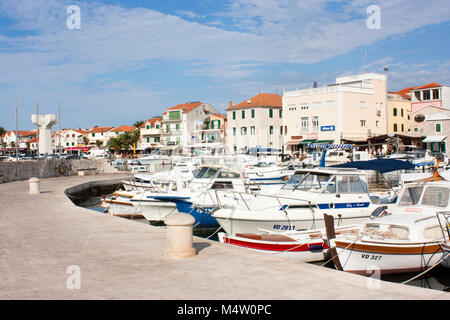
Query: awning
[324,141]
[434,139]
[380,165]
[307,141]
[293,142]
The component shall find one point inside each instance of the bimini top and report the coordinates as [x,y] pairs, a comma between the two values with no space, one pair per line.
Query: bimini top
[380,165]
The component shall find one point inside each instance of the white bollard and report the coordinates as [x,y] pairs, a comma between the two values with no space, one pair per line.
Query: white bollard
[34,186]
[179,235]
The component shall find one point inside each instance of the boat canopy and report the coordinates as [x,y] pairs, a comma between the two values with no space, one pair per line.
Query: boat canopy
[380,165]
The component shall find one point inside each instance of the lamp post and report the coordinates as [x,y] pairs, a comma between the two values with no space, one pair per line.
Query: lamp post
[387,106]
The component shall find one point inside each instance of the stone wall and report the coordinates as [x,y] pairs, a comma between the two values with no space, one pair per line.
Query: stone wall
[51,168]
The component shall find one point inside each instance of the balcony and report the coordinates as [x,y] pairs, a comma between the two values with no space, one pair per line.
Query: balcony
[172,132]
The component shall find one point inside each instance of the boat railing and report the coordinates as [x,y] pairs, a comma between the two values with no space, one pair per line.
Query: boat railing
[242,198]
[444,223]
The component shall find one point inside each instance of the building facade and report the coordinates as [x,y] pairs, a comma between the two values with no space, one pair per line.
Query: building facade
[255,123]
[351,110]
[150,131]
[179,125]
[399,113]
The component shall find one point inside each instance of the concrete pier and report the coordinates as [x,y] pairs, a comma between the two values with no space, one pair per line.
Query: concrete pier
[51,249]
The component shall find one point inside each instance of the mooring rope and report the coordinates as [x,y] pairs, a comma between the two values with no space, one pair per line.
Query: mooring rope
[422,273]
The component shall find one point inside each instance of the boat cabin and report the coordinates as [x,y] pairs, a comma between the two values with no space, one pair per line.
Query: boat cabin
[328,181]
[217,177]
[426,196]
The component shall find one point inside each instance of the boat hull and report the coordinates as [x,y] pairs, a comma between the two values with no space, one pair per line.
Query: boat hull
[384,258]
[233,224]
[310,250]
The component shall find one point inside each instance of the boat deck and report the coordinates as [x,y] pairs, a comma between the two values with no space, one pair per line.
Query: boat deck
[43,235]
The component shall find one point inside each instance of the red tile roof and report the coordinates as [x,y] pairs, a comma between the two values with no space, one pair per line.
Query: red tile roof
[100,129]
[186,107]
[124,129]
[428,85]
[406,93]
[152,121]
[260,100]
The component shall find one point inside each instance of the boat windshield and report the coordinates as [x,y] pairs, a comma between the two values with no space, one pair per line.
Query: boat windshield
[435,196]
[206,173]
[410,196]
[312,181]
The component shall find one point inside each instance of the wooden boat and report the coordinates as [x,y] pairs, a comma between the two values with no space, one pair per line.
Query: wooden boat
[399,243]
[307,246]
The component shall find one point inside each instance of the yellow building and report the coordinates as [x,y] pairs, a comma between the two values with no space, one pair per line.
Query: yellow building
[399,110]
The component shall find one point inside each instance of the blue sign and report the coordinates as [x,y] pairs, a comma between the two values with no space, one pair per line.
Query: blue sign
[327,128]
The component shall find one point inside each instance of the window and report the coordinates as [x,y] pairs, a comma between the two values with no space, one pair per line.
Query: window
[234,115]
[410,196]
[304,123]
[167,127]
[253,113]
[177,126]
[174,115]
[316,123]
[270,129]
[148,139]
[362,104]
[252,130]
[438,127]
[157,126]
[401,111]
[403,127]
[285,130]
[243,114]
[234,131]
[243,131]
[270,113]
[435,94]
[426,95]
[395,127]
[331,103]
[281,113]
[93,134]
[317,105]
[350,184]
[304,106]
[395,112]
[281,130]
[292,108]
[436,197]
[418,95]
[377,123]
[363,123]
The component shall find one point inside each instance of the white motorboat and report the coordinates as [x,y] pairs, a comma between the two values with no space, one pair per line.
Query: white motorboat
[119,204]
[191,198]
[267,173]
[299,204]
[182,172]
[396,243]
[155,159]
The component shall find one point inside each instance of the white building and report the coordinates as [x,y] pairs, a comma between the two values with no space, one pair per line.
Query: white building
[150,132]
[255,123]
[349,111]
[179,125]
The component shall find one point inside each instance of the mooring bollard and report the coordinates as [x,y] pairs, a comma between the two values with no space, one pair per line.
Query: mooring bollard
[34,186]
[180,235]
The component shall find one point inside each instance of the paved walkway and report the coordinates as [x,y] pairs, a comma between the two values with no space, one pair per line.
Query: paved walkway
[43,235]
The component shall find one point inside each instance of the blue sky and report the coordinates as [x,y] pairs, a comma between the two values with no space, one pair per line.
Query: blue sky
[132,59]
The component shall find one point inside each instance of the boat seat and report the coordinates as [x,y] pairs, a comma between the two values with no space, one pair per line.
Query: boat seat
[265,237]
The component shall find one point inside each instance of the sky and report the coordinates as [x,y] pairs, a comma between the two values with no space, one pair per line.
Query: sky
[117,62]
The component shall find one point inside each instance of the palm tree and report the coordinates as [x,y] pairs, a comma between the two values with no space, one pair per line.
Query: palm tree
[99,143]
[138,124]
[85,140]
[115,143]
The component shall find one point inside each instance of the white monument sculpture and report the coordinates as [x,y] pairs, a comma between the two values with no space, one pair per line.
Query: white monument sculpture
[45,123]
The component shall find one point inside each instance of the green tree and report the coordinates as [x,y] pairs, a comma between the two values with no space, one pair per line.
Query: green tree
[99,143]
[138,124]
[115,144]
[2,131]
[85,140]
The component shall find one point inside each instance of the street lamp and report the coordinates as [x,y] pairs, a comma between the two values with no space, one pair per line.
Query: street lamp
[387,107]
